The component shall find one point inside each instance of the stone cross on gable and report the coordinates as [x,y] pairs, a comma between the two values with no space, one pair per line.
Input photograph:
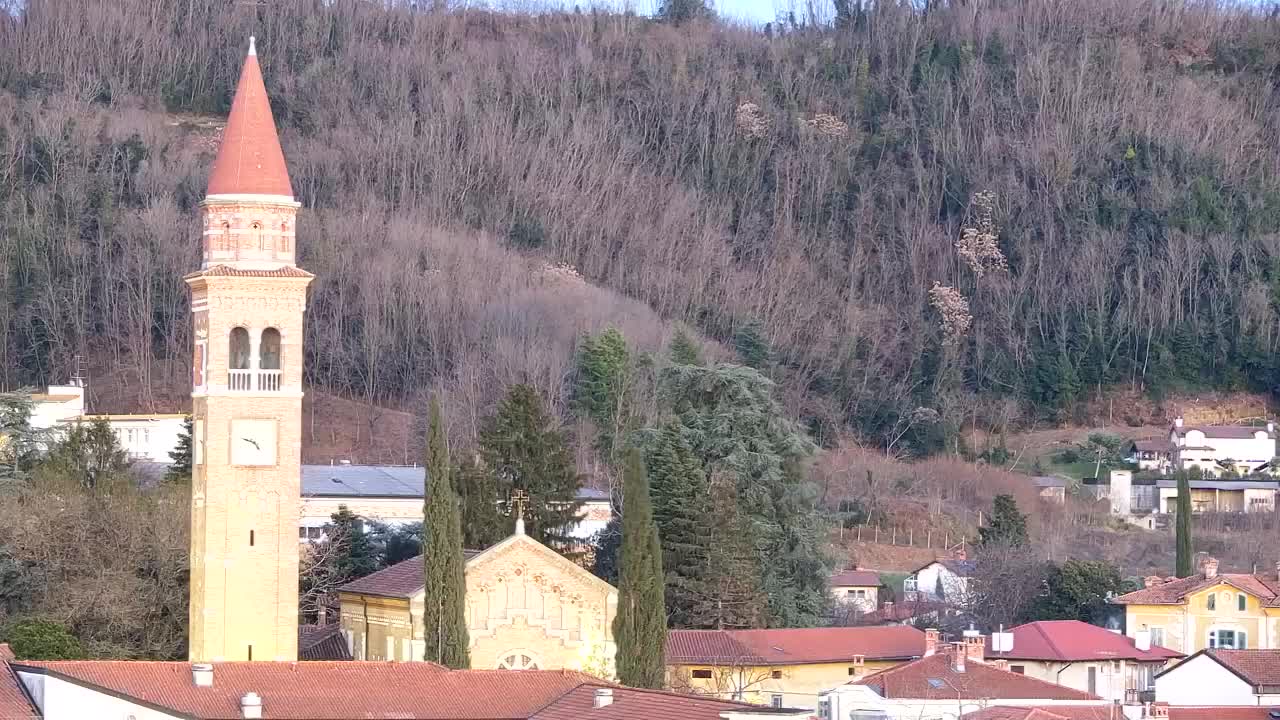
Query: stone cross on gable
[518,499]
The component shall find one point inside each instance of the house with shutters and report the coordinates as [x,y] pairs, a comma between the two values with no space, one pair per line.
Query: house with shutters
[857,589]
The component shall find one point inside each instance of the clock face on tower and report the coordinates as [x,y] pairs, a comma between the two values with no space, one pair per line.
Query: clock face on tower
[253,442]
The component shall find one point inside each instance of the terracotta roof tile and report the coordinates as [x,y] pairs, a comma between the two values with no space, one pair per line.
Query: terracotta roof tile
[1220,713]
[1256,667]
[1072,640]
[867,578]
[250,160]
[13,701]
[404,579]
[228,271]
[934,678]
[1108,711]
[322,642]
[633,704]
[327,690]
[1174,592]
[903,611]
[793,646]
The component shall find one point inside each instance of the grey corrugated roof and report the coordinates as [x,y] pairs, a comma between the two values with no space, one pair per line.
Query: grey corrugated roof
[381,481]
[1226,432]
[1046,481]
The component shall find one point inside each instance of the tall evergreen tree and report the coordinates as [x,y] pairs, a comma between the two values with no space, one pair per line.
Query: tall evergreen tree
[1185,550]
[732,595]
[738,432]
[684,349]
[751,345]
[483,523]
[22,444]
[180,457]
[354,556]
[640,627]
[682,510]
[444,609]
[603,387]
[1006,526]
[521,447]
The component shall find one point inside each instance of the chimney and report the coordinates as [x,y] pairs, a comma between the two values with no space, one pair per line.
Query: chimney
[1210,568]
[603,698]
[931,637]
[1000,665]
[1142,639]
[960,553]
[1154,580]
[202,675]
[320,615]
[975,648]
[1177,422]
[859,665]
[251,706]
[1160,710]
[957,656]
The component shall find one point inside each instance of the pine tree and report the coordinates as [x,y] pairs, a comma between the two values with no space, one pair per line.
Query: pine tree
[521,447]
[1006,526]
[90,453]
[354,556]
[684,349]
[751,345]
[640,627]
[681,509]
[444,608]
[604,377]
[483,523]
[180,457]
[1185,550]
[22,444]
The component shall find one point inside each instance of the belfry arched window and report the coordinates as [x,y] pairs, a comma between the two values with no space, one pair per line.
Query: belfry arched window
[238,355]
[269,350]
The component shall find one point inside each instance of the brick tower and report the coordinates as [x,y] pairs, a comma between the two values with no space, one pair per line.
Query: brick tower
[247,302]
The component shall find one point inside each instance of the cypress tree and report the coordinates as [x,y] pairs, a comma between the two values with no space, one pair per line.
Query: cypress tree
[640,627]
[1007,526]
[483,523]
[180,467]
[684,349]
[1184,551]
[443,614]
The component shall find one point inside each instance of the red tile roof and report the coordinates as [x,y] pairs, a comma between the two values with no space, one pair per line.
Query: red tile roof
[322,642]
[250,160]
[863,578]
[1072,640]
[934,678]
[402,580]
[1109,711]
[1174,592]
[326,690]
[6,653]
[228,271]
[13,700]
[633,704]
[1220,713]
[1256,667]
[903,611]
[794,646]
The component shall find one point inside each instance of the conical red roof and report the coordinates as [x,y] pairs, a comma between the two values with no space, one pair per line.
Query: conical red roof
[249,159]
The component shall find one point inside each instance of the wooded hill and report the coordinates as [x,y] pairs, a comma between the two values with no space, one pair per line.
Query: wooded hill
[800,194]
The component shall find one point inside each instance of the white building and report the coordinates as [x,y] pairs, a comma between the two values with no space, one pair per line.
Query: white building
[1223,677]
[952,681]
[393,495]
[1218,448]
[856,588]
[943,580]
[148,438]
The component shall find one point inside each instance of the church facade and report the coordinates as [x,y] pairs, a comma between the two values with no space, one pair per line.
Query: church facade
[247,305]
[528,608]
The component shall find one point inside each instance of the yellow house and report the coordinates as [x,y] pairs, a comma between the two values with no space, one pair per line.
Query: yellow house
[527,608]
[1206,610]
[786,667]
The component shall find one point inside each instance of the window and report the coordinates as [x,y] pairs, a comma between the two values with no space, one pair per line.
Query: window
[250,538]
[516,661]
[1020,669]
[269,350]
[1228,639]
[262,237]
[776,674]
[1157,636]
[853,671]
[238,358]
[702,674]
[775,700]
[1093,680]
[1211,602]
[1242,602]
[225,243]
[284,237]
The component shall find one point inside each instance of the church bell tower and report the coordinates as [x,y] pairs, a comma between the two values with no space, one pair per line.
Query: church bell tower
[247,304]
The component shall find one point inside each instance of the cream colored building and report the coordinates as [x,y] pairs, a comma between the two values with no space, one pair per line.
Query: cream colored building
[1216,449]
[527,608]
[247,304]
[858,589]
[144,437]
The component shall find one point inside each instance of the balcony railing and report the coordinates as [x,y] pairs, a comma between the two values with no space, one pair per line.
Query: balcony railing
[254,380]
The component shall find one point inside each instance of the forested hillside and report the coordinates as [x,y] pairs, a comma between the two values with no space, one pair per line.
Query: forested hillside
[801,194]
